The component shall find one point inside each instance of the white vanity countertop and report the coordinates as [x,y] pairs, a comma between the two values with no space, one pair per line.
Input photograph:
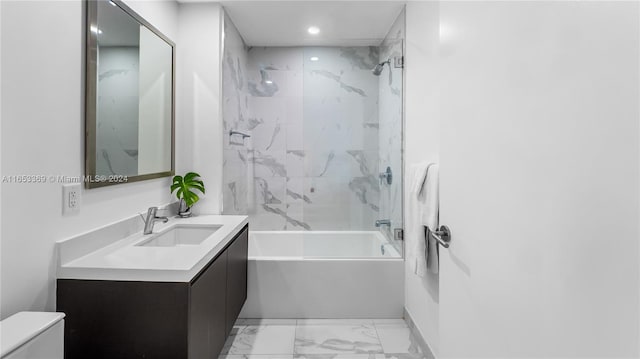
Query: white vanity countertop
[125,260]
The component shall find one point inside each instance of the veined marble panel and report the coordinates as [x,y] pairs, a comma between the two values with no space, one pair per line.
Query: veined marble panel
[295,220]
[296,191]
[327,190]
[269,190]
[296,163]
[294,123]
[327,164]
[337,59]
[329,217]
[269,217]
[269,164]
[317,131]
[270,123]
[325,125]
[276,58]
[236,115]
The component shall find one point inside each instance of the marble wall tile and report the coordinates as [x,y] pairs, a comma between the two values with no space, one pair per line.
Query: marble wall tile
[328,163]
[296,163]
[315,152]
[235,181]
[276,58]
[270,123]
[294,123]
[329,217]
[326,190]
[295,220]
[236,187]
[325,127]
[269,217]
[269,164]
[269,190]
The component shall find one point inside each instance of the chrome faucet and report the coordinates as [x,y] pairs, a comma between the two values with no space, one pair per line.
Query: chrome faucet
[152,219]
[383,222]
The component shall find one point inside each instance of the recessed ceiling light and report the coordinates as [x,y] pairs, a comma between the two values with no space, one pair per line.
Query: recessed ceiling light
[314,58]
[313,30]
[268,82]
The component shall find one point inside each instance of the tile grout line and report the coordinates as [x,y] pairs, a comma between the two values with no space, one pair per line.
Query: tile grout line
[295,335]
[375,327]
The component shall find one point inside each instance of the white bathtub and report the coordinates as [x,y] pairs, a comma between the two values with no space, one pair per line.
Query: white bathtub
[323,274]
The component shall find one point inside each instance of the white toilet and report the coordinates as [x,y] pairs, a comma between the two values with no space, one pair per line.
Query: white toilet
[32,335]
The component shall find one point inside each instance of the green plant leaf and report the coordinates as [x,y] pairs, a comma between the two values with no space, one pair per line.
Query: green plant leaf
[190,176]
[183,187]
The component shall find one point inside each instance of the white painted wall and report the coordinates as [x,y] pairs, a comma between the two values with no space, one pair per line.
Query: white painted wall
[422,139]
[1,169]
[42,133]
[199,89]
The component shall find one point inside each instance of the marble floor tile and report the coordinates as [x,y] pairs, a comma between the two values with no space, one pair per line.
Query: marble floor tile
[335,321]
[389,321]
[261,339]
[243,321]
[397,339]
[337,339]
[402,356]
[256,356]
[338,356]
[357,356]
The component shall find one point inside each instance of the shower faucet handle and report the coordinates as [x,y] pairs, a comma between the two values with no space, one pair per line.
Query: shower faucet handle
[386,176]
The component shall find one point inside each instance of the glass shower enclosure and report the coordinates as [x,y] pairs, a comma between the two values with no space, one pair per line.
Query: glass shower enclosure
[326,135]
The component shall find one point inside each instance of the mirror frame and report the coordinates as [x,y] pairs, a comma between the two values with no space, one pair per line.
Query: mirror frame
[91,84]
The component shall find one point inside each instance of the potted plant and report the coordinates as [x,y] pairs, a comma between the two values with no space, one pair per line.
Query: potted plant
[184,186]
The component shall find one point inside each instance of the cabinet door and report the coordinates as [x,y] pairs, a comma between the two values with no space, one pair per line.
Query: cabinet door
[124,319]
[207,311]
[236,277]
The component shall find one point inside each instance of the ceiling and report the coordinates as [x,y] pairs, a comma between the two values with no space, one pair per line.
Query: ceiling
[285,23]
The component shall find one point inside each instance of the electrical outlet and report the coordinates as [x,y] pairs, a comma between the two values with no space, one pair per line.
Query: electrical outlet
[70,198]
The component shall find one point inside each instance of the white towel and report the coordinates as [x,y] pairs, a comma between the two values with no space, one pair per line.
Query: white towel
[430,204]
[416,245]
[423,198]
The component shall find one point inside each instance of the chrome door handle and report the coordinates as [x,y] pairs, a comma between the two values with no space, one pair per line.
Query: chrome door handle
[442,235]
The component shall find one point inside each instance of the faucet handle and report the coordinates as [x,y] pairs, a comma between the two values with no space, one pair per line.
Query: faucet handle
[151,212]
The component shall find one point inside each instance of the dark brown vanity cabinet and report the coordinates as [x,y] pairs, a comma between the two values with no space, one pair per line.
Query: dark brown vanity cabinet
[236,280]
[126,319]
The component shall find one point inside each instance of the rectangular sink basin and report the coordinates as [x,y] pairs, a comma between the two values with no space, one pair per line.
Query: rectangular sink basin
[180,235]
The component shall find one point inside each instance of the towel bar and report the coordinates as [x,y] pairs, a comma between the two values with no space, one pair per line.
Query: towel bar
[442,235]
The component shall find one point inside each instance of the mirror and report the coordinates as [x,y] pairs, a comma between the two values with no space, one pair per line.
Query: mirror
[129,97]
